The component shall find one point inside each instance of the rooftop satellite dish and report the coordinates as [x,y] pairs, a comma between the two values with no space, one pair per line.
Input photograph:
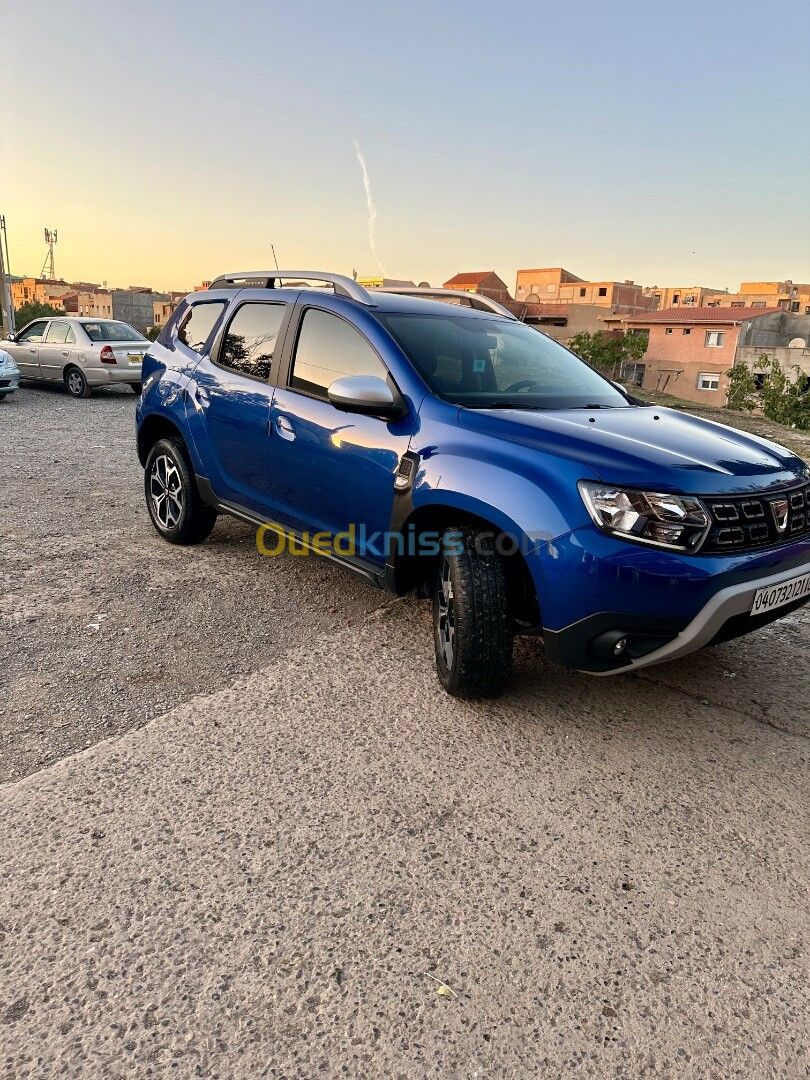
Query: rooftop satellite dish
[797,343]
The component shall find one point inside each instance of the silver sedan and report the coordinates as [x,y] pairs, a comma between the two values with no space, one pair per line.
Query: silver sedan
[81,353]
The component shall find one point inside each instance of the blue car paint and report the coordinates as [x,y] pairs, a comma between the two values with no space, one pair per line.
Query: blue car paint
[517,470]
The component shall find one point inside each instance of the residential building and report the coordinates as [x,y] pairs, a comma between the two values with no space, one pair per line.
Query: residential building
[483,282]
[162,309]
[384,283]
[679,296]
[690,349]
[95,305]
[790,297]
[40,290]
[555,285]
[135,306]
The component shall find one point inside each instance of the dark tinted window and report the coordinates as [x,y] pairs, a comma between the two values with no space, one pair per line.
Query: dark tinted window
[111,331]
[328,349]
[250,342]
[34,332]
[59,333]
[198,322]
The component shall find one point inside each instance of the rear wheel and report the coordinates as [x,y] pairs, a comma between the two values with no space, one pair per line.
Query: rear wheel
[76,384]
[175,507]
[472,624]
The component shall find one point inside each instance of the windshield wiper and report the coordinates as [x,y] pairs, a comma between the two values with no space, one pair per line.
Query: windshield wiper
[593,406]
[504,405]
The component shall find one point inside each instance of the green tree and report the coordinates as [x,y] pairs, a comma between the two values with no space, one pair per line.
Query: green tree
[607,353]
[153,333]
[743,391]
[770,388]
[33,309]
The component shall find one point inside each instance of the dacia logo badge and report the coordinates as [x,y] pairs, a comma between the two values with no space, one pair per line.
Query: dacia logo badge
[779,509]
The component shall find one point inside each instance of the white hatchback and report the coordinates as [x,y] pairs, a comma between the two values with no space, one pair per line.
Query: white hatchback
[81,353]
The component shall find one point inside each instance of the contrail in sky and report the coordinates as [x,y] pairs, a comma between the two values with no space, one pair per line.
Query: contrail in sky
[372,209]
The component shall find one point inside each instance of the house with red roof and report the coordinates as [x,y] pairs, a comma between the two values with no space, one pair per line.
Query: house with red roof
[483,282]
[690,349]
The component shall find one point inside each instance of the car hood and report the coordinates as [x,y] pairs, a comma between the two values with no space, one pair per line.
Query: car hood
[648,447]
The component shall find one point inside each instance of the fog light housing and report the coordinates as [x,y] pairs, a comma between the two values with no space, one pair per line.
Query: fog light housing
[610,645]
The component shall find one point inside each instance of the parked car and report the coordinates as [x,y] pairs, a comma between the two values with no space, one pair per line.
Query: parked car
[81,353]
[9,375]
[511,482]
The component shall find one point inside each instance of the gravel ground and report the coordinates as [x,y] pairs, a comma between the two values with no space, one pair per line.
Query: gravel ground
[268,878]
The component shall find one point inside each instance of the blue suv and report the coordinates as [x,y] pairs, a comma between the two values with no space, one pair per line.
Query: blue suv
[455,452]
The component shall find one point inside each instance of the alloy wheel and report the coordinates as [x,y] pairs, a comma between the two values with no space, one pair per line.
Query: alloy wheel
[166,491]
[75,382]
[446,628]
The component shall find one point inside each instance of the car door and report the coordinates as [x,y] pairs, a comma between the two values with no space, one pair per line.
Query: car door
[332,470]
[25,349]
[229,397]
[56,349]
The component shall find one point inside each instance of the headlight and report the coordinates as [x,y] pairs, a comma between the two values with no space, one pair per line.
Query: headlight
[677,522]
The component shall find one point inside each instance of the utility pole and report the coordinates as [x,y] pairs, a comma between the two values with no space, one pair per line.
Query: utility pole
[6,310]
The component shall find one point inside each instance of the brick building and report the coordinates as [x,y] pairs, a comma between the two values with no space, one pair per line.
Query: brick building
[555,285]
[690,349]
[483,282]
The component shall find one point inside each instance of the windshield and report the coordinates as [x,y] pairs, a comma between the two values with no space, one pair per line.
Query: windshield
[111,331]
[496,363]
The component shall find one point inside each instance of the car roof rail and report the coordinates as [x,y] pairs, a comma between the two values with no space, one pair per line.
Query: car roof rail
[480,303]
[268,279]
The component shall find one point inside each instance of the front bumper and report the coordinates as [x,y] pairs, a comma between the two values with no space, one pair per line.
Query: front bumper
[654,639]
[668,604]
[9,381]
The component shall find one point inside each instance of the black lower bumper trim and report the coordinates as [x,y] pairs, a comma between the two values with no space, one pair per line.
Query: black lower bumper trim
[571,647]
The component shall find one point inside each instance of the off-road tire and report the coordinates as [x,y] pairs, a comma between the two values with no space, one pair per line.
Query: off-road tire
[480,658]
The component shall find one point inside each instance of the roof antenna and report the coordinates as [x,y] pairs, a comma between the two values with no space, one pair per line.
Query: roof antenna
[275,260]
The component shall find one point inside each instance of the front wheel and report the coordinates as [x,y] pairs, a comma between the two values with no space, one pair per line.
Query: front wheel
[76,383]
[472,624]
[175,507]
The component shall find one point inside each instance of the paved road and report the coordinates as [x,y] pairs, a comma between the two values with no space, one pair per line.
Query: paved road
[282,832]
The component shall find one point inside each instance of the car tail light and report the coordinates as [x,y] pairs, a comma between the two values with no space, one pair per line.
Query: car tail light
[107,355]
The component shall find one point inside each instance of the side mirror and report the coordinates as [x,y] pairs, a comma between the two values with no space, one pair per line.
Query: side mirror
[11,337]
[365,394]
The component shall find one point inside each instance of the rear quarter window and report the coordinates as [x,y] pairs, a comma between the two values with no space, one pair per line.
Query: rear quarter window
[196,324]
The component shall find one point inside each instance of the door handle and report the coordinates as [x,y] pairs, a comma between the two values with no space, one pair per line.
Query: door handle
[32,350]
[285,428]
[65,352]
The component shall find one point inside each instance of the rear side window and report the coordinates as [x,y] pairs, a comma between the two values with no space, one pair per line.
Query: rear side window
[329,348]
[197,324]
[60,333]
[111,331]
[250,340]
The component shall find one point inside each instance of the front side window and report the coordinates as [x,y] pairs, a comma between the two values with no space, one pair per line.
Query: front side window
[328,349]
[34,332]
[708,380]
[197,324]
[715,339]
[111,331]
[251,338]
[60,333]
[497,363]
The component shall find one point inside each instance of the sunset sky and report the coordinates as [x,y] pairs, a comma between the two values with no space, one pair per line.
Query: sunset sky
[170,142]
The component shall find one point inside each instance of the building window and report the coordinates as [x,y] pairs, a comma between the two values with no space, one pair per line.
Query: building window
[758,303]
[675,298]
[583,292]
[708,380]
[715,339]
[603,291]
[550,288]
[737,303]
[688,330]
[794,305]
[668,330]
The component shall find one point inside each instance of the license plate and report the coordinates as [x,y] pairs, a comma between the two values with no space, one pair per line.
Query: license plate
[135,357]
[778,595]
